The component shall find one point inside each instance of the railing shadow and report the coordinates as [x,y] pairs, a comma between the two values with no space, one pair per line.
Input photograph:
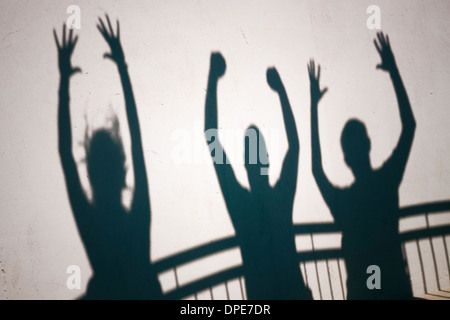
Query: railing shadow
[328,284]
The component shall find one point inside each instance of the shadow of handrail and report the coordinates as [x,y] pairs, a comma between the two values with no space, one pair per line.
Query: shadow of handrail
[195,253]
[434,207]
[203,251]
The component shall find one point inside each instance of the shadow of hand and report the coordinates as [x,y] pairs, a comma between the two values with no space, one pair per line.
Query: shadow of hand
[273,79]
[113,41]
[384,49]
[65,50]
[316,93]
[218,64]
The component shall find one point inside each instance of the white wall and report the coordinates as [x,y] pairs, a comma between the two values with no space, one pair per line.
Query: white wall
[167,45]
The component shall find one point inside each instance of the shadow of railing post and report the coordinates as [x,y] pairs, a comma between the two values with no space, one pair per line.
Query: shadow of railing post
[428,233]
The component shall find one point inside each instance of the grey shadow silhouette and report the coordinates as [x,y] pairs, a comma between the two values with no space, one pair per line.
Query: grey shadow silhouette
[261,216]
[367,212]
[117,242]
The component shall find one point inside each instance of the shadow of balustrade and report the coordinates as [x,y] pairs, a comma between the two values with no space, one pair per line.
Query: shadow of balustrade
[214,270]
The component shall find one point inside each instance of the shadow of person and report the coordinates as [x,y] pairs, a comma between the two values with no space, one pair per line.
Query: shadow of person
[261,216]
[368,211]
[117,242]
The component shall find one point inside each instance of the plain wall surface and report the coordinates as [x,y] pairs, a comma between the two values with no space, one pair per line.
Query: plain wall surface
[167,46]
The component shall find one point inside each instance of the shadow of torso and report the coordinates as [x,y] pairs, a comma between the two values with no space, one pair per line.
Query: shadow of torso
[118,249]
[368,214]
[264,229]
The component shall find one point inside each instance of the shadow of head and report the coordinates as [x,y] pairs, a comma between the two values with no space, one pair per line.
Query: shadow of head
[256,159]
[105,160]
[356,147]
